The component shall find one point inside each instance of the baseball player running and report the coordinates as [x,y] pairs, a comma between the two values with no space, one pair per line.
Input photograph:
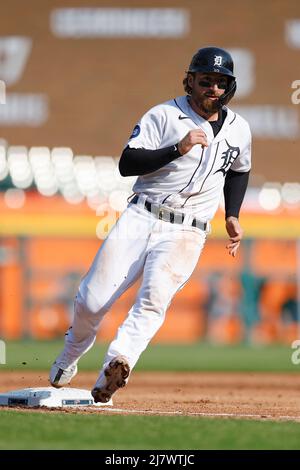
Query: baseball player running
[186,152]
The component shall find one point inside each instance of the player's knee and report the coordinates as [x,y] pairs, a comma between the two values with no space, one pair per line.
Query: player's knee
[158,310]
[159,300]
[87,303]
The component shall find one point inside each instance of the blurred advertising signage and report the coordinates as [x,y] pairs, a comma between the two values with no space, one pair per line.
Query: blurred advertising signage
[244,70]
[24,109]
[28,109]
[292,33]
[267,121]
[120,22]
[14,53]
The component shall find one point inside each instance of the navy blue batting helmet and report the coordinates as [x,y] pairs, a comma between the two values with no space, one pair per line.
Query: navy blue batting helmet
[215,60]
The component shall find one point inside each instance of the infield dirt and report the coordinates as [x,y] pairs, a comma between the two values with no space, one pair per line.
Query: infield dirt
[263,396]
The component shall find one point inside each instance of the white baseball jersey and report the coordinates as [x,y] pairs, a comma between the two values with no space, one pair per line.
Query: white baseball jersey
[193,182]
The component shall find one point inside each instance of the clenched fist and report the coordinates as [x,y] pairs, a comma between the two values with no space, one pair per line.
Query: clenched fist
[196,136]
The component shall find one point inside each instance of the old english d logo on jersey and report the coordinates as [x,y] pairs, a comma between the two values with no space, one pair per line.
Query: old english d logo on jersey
[229,156]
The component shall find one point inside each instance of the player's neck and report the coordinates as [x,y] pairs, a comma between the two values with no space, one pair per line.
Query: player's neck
[205,115]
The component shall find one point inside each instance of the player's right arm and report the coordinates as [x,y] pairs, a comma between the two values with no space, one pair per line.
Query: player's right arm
[141,161]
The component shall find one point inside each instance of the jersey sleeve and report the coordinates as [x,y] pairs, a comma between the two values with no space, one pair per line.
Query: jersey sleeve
[243,162]
[148,131]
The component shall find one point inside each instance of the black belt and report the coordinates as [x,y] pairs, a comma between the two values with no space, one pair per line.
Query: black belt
[168,215]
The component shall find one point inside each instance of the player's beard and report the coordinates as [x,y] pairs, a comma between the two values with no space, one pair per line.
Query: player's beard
[209,106]
[206,105]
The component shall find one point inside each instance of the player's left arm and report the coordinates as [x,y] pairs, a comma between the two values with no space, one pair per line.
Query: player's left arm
[236,182]
[234,191]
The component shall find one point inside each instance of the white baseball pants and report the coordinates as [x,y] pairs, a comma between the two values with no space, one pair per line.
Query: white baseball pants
[139,244]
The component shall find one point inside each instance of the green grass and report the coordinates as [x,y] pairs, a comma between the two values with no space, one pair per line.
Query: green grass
[39,355]
[60,431]
[30,430]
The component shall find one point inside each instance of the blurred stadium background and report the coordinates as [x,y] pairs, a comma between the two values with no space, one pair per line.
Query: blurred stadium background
[75,78]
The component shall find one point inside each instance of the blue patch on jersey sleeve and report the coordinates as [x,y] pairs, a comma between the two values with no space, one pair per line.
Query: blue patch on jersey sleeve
[135,131]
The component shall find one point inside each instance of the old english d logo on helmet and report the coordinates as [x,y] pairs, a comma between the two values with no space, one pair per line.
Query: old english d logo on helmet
[217,60]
